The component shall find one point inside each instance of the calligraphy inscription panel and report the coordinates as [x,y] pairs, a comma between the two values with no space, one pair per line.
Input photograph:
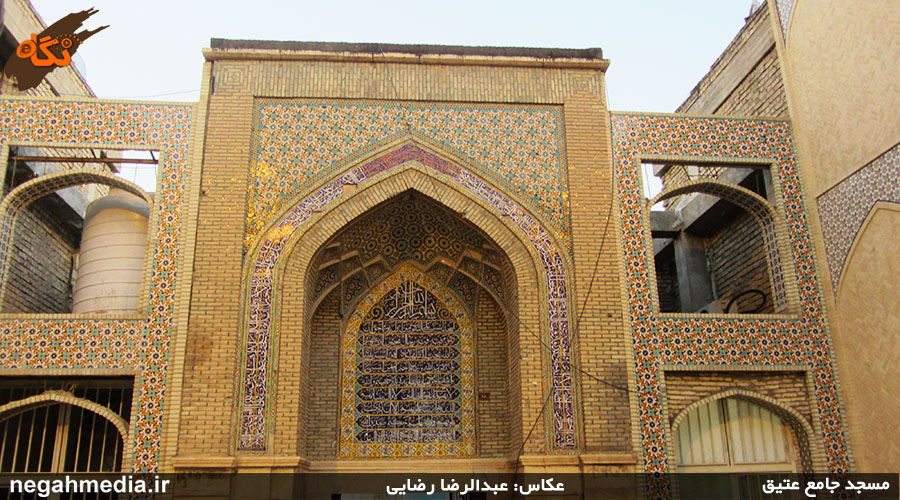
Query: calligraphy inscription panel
[410,377]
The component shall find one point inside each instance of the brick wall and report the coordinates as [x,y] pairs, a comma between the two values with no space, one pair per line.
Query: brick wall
[322,393]
[40,276]
[761,93]
[492,430]
[737,262]
[212,359]
[761,89]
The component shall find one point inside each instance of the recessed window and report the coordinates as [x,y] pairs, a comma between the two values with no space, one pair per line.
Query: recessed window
[67,425]
[78,245]
[713,244]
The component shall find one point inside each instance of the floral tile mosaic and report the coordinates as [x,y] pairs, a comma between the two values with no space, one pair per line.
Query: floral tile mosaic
[262,287]
[139,345]
[844,208]
[297,144]
[657,340]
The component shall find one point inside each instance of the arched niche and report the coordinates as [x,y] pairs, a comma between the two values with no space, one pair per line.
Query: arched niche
[541,271]
[28,192]
[780,279]
[408,371]
[414,232]
[866,340]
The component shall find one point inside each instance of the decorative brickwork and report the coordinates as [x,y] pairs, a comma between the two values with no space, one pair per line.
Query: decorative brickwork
[73,343]
[843,208]
[711,340]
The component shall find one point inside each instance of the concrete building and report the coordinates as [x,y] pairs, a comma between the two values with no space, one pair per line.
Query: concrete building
[366,257]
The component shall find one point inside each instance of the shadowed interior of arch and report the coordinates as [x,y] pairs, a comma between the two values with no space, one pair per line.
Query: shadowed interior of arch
[425,409]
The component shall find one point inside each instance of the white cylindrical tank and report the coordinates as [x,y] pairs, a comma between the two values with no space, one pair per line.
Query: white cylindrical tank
[111,260]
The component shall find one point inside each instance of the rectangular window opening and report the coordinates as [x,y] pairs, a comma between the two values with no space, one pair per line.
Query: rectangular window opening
[78,249]
[710,253]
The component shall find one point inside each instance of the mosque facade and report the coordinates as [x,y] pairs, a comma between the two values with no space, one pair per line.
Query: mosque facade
[382,258]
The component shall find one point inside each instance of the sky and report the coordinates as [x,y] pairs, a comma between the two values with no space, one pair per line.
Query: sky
[658,50]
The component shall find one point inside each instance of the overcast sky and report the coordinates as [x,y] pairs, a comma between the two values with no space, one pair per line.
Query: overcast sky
[658,49]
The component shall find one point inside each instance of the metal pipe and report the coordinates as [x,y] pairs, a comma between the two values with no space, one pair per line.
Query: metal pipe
[76,159]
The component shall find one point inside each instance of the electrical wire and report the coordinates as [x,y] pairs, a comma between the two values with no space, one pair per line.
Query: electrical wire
[574,335]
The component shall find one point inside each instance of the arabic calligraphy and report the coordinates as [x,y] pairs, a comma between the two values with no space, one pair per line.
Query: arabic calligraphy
[812,488]
[52,48]
[408,371]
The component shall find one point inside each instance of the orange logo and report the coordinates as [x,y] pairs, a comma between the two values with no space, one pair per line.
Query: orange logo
[51,48]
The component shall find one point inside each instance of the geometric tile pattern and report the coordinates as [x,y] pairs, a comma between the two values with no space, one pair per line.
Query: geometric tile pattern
[785,8]
[800,339]
[408,374]
[141,345]
[267,256]
[413,228]
[298,143]
[844,208]
[408,228]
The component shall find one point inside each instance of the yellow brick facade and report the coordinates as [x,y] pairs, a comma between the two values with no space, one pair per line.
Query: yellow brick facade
[555,342]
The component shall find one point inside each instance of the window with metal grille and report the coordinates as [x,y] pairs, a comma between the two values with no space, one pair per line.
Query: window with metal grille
[53,436]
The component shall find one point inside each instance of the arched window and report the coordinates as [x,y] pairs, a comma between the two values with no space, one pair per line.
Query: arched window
[734,435]
[61,431]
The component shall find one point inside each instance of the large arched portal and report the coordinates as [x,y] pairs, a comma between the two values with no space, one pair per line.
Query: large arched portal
[408,338]
[277,306]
